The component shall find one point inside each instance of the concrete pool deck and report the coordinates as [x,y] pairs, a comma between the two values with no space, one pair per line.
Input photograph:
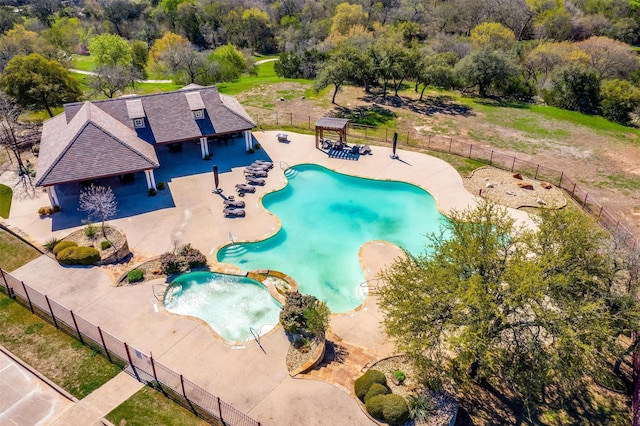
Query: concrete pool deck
[252,381]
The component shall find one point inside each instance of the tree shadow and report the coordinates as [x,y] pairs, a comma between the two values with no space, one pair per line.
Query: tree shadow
[429,105]
[373,115]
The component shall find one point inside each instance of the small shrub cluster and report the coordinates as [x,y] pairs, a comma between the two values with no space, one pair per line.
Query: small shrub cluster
[48,210]
[371,389]
[161,186]
[185,257]
[63,245]
[303,313]
[50,244]
[105,244]
[421,407]
[135,276]
[76,255]
[90,230]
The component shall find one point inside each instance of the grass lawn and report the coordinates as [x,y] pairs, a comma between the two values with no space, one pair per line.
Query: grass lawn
[83,62]
[74,367]
[150,407]
[13,252]
[5,200]
[266,75]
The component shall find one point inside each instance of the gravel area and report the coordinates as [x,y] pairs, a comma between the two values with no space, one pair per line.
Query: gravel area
[296,357]
[115,237]
[445,403]
[503,188]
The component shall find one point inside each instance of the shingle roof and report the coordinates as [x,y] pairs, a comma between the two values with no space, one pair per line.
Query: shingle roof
[332,123]
[169,117]
[92,144]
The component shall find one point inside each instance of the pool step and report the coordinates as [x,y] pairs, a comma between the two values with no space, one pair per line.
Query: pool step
[290,173]
[236,250]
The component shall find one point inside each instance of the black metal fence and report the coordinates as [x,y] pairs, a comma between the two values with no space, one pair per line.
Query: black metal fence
[440,143]
[138,364]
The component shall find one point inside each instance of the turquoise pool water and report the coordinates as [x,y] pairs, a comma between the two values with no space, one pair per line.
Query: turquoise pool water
[230,304]
[326,217]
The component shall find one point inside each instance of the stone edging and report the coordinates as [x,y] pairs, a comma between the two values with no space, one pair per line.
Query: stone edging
[315,360]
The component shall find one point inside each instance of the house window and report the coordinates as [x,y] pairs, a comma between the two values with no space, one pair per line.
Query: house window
[138,123]
[198,114]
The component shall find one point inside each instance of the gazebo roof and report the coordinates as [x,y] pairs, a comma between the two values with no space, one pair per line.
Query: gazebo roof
[331,123]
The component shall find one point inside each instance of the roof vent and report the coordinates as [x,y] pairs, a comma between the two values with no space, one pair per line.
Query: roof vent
[195,100]
[135,109]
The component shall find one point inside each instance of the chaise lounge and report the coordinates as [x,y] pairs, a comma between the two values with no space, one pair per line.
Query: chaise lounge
[243,187]
[254,181]
[262,163]
[233,212]
[232,204]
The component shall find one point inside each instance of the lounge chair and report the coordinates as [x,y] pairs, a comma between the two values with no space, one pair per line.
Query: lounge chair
[255,173]
[355,149]
[259,167]
[236,204]
[365,149]
[263,163]
[254,181]
[233,212]
[243,187]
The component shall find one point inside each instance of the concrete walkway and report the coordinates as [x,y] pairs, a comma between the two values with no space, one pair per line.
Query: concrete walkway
[244,376]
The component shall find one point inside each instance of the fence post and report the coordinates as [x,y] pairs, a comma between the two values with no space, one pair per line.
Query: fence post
[470,148]
[28,298]
[133,367]
[514,164]
[537,168]
[155,375]
[407,138]
[220,409]
[560,183]
[450,142]
[309,117]
[291,119]
[386,132]
[573,191]
[585,199]
[365,132]
[600,213]
[73,317]
[104,345]
[51,310]
[429,142]
[491,158]
[277,122]
[6,284]
[187,399]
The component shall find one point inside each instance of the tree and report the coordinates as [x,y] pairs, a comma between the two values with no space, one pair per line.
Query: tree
[99,202]
[619,99]
[484,68]
[111,79]
[140,57]
[574,87]
[20,41]
[110,50]
[347,16]
[436,70]
[609,58]
[337,70]
[231,61]
[36,81]
[166,52]
[256,28]
[488,301]
[9,113]
[493,36]
[64,33]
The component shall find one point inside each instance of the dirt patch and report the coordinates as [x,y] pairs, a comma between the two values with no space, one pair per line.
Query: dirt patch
[503,188]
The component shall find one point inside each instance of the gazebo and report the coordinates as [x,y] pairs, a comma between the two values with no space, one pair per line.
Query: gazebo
[333,125]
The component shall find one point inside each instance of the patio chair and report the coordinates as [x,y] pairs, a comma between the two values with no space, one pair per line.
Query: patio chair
[365,149]
[254,181]
[257,167]
[243,187]
[255,173]
[233,212]
[263,163]
[326,144]
[234,204]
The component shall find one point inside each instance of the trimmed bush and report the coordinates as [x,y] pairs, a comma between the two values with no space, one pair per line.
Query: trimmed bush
[362,386]
[50,244]
[135,275]
[395,410]
[105,244]
[377,376]
[375,406]
[63,245]
[78,256]
[376,389]
[170,264]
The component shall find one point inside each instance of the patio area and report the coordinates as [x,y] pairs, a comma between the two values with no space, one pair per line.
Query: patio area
[254,382]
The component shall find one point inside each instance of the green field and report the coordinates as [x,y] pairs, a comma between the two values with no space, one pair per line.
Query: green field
[5,200]
[14,252]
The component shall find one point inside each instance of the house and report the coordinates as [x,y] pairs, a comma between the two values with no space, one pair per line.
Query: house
[116,137]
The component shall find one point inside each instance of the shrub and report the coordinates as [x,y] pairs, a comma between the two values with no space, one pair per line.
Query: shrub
[375,406]
[251,151]
[399,375]
[50,244]
[257,146]
[395,409]
[105,244]
[91,230]
[78,256]
[170,264]
[376,389]
[46,211]
[362,385]
[303,313]
[192,257]
[161,185]
[420,407]
[152,192]
[135,275]
[63,245]
[377,376]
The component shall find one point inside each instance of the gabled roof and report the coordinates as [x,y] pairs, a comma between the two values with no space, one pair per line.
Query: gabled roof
[92,144]
[332,123]
[169,116]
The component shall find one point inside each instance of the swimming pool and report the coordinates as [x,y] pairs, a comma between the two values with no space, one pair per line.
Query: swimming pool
[230,304]
[326,217]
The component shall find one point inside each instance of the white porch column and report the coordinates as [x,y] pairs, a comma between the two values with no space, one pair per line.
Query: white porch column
[248,140]
[203,142]
[53,197]
[151,181]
